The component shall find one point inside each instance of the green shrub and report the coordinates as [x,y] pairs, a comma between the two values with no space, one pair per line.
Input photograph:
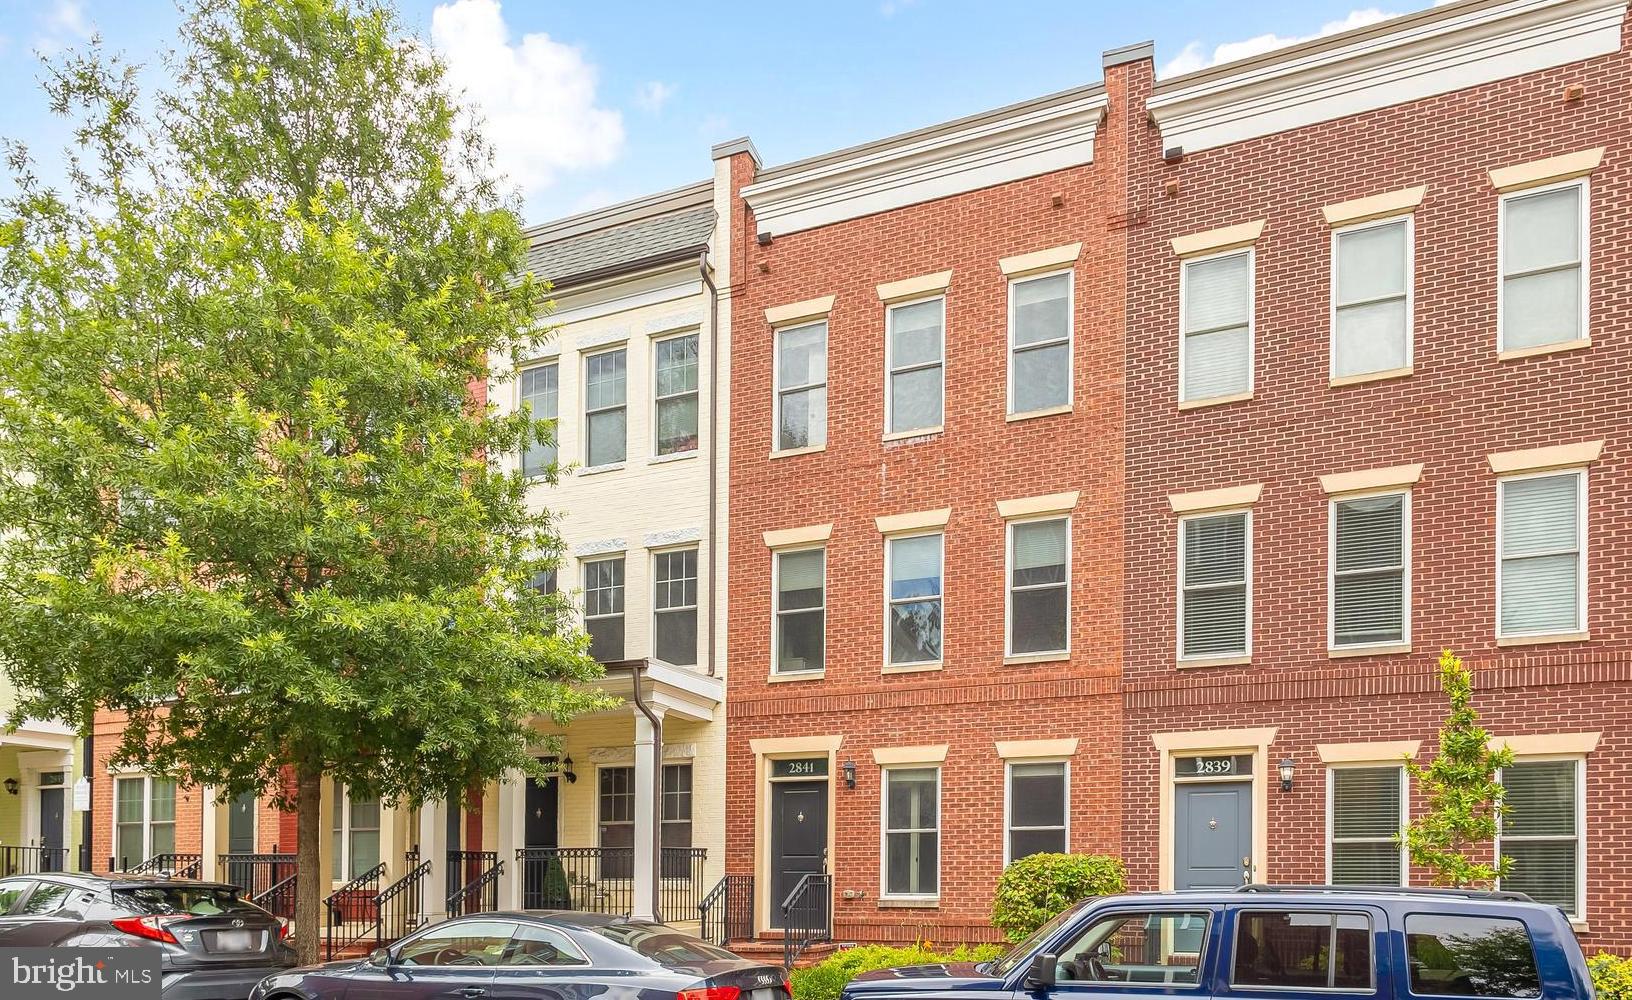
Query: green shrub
[826,979]
[1611,976]
[1035,888]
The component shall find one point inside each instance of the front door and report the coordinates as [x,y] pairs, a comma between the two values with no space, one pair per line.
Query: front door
[1212,822]
[53,805]
[241,840]
[798,839]
[543,877]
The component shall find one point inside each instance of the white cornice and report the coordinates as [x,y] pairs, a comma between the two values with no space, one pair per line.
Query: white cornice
[1446,48]
[1023,140]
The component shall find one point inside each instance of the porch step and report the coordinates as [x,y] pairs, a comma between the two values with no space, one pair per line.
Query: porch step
[769,951]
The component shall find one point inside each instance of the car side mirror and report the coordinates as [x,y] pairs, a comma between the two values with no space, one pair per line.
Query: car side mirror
[380,958]
[1043,969]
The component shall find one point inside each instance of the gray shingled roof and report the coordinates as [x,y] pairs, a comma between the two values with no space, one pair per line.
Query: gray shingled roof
[562,260]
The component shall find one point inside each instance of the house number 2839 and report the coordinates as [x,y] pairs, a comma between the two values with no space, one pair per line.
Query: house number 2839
[1214,765]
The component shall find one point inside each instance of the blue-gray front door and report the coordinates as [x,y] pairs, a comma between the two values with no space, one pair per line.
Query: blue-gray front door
[1212,827]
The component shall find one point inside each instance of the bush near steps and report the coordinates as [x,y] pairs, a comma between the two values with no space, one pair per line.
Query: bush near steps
[1034,889]
[824,980]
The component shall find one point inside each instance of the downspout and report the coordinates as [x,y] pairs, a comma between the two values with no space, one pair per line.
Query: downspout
[713,449]
[636,668]
[88,772]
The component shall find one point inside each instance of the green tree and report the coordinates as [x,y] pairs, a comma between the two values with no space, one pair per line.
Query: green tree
[247,496]
[1464,799]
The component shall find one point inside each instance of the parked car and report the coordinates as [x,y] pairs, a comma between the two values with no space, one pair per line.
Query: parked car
[1264,941]
[212,944]
[534,954]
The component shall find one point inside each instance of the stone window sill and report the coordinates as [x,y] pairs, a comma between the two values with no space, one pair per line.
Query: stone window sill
[1243,660]
[1196,404]
[1540,349]
[1364,377]
[1049,411]
[791,678]
[1542,640]
[807,450]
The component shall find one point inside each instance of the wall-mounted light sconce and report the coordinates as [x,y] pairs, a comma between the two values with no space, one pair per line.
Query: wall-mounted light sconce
[849,774]
[567,772]
[1285,768]
[11,786]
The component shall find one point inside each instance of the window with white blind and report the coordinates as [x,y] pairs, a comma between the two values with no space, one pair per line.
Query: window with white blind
[801,387]
[801,616]
[1040,342]
[356,833]
[1370,582]
[913,603]
[1541,543]
[603,608]
[1039,586]
[1037,799]
[540,393]
[1215,585]
[912,834]
[1544,267]
[1371,297]
[675,606]
[674,374]
[1366,813]
[1216,321]
[916,344]
[1542,831]
[606,410]
[144,819]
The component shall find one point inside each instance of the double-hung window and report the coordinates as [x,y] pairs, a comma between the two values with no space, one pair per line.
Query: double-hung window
[1541,565]
[1542,830]
[801,386]
[1371,298]
[1216,320]
[1367,813]
[540,394]
[606,413]
[674,369]
[1370,561]
[675,605]
[603,608]
[1215,585]
[915,341]
[1544,266]
[1038,795]
[616,809]
[912,832]
[912,615]
[1040,326]
[1039,586]
[801,615]
[356,844]
[144,821]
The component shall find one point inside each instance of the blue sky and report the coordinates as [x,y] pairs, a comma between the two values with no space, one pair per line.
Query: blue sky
[594,101]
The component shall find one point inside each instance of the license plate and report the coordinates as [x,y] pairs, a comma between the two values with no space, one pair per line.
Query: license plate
[765,994]
[236,941]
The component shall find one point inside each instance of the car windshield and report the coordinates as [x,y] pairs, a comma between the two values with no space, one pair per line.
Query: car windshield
[1012,958]
[197,901]
[664,945]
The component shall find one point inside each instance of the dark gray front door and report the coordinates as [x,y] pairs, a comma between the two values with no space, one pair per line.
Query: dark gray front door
[1212,827]
[53,803]
[798,837]
[241,824]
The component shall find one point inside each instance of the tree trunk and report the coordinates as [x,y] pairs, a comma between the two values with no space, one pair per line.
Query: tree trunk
[308,866]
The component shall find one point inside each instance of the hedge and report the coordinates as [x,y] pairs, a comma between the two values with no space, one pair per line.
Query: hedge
[824,980]
[1611,976]
[1035,888]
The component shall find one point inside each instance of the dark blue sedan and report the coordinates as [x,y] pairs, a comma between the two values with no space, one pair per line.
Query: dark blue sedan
[537,955]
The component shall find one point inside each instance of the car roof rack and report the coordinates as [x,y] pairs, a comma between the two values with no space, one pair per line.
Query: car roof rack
[1506,895]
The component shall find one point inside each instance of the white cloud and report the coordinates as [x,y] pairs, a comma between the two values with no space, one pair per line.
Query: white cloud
[1194,56]
[536,96]
[62,25]
[653,95]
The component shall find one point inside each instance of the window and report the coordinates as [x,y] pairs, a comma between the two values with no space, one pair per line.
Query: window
[1371,297]
[1039,586]
[1470,956]
[676,607]
[1040,342]
[603,608]
[533,945]
[676,820]
[1367,814]
[912,839]
[47,897]
[801,619]
[463,944]
[617,822]
[801,387]
[913,611]
[676,388]
[543,581]
[1541,575]
[1544,267]
[1145,948]
[606,395]
[1542,831]
[11,890]
[356,833]
[540,393]
[1037,809]
[1292,950]
[1215,593]
[1370,570]
[1215,359]
[916,346]
[144,819]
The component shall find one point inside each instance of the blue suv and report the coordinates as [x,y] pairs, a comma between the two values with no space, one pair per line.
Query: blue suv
[1269,943]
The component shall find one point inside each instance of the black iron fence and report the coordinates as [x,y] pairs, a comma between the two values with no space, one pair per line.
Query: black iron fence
[255,874]
[477,895]
[173,865]
[727,912]
[807,915]
[680,888]
[278,899]
[601,879]
[31,860]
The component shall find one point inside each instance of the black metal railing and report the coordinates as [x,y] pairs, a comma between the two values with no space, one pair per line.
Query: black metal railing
[278,899]
[465,867]
[478,895]
[85,857]
[255,873]
[807,915]
[587,879]
[401,905]
[32,860]
[172,865]
[680,886]
[353,911]
[727,912]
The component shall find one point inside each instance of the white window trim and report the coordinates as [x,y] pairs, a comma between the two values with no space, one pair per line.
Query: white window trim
[1185,264]
[1579,917]
[1331,802]
[778,389]
[1410,221]
[1070,340]
[1246,654]
[583,587]
[1580,625]
[884,835]
[694,607]
[1584,334]
[1008,585]
[890,371]
[657,400]
[777,611]
[1331,570]
[521,459]
[1008,802]
[147,813]
[889,541]
[585,408]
